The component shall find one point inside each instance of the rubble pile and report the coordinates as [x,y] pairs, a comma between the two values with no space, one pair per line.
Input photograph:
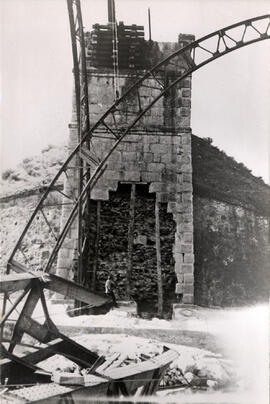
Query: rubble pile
[207,371]
[194,368]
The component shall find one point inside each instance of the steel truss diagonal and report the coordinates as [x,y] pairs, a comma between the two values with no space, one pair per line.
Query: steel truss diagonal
[121,118]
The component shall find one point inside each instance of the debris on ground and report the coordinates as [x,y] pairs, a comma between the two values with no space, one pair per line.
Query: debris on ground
[194,368]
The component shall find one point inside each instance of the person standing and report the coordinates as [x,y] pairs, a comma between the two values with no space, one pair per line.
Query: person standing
[109,289]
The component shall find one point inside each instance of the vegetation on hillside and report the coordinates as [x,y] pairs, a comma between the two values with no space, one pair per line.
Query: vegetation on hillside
[33,171]
[218,176]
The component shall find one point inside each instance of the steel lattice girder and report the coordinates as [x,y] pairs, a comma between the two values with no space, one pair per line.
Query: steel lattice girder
[192,57]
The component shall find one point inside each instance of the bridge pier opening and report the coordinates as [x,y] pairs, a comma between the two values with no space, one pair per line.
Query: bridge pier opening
[156,154]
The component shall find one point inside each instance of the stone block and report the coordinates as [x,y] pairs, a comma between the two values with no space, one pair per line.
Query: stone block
[179,288]
[184,122]
[186,93]
[62,272]
[142,165]
[65,252]
[113,185]
[174,207]
[186,248]
[184,111]
[188,288]
[169,177]
[155,167]
[186,83]
[188,238]
[184,227]
[100,194]
[156,158]
[187,207]
[180,277]
[187,177]
[163,197]
[186,139]
[186,149]
[159,148]
[187,197]
[189,258]
[146,147]
[179,150]
[185,158]
[187,218]
[184,269]
[153,139]
[115,157]
[157,187]
[133,137]
[111,174]
[186,168]
[131,176]
[68,243]
[187,268]
[148,157]
[166,158]
[151,177]
[188,298]
[129,156]
[179,259]
[166,139]
[186,102]
[172,167]
[130,166]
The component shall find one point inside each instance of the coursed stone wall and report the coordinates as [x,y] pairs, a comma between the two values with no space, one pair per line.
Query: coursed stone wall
[157,152]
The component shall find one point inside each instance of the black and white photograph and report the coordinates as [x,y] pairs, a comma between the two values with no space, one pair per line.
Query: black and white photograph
[134,201]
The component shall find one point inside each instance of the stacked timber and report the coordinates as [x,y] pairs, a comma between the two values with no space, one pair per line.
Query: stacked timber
[128,40]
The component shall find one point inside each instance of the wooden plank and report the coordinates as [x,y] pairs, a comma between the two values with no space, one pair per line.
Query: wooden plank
[108,362]
[68,378]
[130,239]
[159,361]
[96,247]
[158,255]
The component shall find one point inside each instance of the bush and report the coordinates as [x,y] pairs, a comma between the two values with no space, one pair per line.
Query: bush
[208,140]
[6,174]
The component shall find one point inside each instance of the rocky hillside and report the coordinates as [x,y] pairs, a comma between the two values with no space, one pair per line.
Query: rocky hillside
[33,171]
[20,192]
[218,176]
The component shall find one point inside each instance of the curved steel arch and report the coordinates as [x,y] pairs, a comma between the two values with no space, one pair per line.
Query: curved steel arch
[176,66]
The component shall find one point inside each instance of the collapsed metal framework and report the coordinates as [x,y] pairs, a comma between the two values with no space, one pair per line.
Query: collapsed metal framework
[121,118]
[118,121]
[191,58]
[31,288]
[82,107]
[23,370]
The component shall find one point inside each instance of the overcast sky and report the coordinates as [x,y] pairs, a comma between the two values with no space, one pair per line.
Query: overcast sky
[230,100]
